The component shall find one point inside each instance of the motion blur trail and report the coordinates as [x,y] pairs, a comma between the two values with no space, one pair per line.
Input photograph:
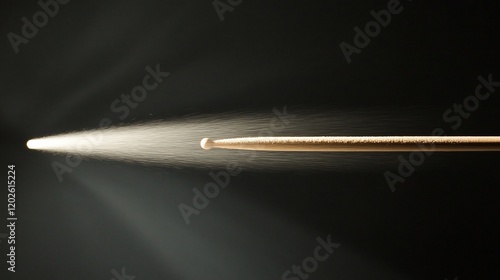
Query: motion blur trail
[176,143]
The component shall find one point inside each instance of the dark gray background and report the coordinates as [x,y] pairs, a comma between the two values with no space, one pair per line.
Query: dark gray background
[441,223]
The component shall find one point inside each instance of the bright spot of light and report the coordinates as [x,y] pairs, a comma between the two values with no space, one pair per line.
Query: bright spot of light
[52,143]
[34,144]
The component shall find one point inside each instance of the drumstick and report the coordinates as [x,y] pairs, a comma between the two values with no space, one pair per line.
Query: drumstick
[359,143]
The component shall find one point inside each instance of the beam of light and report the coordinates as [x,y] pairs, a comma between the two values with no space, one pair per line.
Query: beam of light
[176,143]
[359,144]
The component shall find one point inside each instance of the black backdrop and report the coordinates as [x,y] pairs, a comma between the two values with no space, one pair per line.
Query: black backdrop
[441,223]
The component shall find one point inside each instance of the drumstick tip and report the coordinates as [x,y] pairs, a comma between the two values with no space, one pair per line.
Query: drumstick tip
[207,143]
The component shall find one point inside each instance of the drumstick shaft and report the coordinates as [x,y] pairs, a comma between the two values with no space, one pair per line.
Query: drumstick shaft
[359,143]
